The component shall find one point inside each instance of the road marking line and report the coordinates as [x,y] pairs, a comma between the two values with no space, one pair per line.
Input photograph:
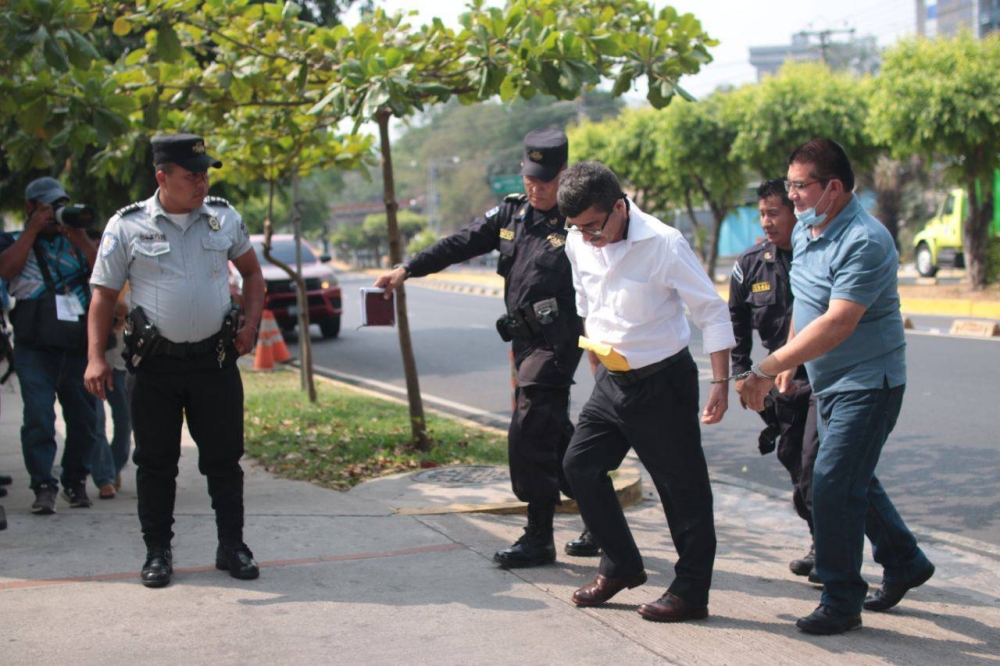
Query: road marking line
[427,397]
[271,564]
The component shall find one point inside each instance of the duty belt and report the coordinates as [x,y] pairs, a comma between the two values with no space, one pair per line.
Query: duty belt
[186,350]
[630,377]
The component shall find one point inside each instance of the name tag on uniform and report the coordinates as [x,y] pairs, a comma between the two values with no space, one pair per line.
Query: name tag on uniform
[507,234]
[758,287]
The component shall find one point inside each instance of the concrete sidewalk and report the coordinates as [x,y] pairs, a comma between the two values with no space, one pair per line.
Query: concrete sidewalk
[347,579]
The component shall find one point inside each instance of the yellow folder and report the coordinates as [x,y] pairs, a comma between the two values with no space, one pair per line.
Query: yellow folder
[611,359]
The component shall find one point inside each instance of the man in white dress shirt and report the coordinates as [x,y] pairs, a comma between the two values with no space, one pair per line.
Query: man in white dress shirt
[633,277]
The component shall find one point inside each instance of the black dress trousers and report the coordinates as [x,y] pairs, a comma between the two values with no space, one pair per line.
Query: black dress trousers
[658,417]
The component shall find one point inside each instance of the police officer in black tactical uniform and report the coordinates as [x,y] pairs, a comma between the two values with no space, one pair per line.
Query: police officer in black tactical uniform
[542,325]
[760,298]
[182,340]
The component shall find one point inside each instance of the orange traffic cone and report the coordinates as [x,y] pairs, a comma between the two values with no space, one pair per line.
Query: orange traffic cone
[278,348]
[263,359]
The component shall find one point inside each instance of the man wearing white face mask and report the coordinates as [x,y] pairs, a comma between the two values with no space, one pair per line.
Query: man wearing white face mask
[848,331]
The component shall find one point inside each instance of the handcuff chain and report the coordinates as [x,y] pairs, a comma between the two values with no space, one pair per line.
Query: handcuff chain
[742,375]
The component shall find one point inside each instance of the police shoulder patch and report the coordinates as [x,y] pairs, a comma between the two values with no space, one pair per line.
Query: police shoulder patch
[217,201]
[492,211]
[109,243]
[738,272]
[129,209]
[515,197]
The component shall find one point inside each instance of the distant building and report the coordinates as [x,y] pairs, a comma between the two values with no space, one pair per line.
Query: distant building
[856,54]
[946,18]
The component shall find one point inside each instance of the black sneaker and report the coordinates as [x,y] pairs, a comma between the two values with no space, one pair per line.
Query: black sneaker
[76,495]
[45,499]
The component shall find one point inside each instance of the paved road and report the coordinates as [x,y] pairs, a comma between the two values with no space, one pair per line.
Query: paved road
[940,465]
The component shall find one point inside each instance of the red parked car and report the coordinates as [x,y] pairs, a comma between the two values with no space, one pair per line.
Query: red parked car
[324,296]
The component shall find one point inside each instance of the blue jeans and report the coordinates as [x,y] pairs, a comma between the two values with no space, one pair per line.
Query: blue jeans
[109,459]
[849,503]
[45,375]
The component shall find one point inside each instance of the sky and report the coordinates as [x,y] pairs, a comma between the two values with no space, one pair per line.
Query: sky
[739,24]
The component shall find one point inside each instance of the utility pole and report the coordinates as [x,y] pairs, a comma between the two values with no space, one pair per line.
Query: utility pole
[824,40]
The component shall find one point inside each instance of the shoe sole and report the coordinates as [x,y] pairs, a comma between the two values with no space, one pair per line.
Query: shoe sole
[822,631]
[581,552]
[43,511]
[700,614]
[153,584]
[77,504]
[221,566]
[592,604]
[523,565]
[917,582]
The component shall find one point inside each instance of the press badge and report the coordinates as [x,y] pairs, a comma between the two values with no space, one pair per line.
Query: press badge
[68,307]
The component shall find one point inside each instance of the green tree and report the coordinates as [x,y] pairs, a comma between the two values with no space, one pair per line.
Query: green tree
[941,99]
[802,102]
[693,149]
[386,69]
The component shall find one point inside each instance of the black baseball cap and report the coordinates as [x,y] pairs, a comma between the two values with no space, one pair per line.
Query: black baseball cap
[184,150]
[545,153]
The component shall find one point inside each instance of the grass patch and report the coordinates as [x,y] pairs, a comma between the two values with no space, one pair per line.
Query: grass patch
[349,437]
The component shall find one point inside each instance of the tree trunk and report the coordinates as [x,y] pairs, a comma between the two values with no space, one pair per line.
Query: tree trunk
[418,424]
[305,342]
[305,348]
[976,233]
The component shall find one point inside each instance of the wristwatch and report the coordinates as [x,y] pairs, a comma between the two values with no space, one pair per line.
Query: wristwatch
[755,369]
[405,267]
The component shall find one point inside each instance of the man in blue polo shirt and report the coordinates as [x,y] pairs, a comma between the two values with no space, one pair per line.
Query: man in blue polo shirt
[847,329]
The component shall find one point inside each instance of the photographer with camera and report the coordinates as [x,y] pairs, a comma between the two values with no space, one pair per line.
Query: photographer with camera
[47,266]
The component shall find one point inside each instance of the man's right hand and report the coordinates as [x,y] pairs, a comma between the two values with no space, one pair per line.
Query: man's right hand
[391,281]
[41,217]
[99,377]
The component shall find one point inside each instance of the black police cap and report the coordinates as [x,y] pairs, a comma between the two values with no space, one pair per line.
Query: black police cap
[184,150]
[545,153]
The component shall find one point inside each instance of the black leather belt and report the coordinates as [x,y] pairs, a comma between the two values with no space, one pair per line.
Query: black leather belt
[630,377]
[185,350]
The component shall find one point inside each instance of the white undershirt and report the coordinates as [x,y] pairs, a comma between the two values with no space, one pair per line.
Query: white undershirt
[182,220]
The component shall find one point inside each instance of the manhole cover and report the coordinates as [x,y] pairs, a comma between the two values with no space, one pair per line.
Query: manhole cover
[468,475]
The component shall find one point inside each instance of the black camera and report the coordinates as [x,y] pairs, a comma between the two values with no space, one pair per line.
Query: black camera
[78,216]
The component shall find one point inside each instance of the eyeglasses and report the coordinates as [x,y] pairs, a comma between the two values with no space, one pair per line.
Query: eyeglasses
[798,185]
[593,233]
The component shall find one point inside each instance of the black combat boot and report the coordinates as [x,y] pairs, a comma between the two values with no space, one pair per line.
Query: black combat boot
[803,566]
[584,546]
[536,547]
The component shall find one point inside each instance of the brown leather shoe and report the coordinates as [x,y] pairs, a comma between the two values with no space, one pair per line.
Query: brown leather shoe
[602,588]
[670,608]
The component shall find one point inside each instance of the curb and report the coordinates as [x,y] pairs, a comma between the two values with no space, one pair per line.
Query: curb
[627,479]
[628,488]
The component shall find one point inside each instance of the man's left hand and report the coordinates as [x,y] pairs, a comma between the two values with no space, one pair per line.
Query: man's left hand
[718,403]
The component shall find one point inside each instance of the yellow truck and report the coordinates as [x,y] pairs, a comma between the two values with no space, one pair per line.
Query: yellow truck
[940,242]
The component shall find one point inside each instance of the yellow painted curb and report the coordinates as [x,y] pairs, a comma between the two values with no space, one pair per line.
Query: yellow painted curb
[948,307]
[628,488]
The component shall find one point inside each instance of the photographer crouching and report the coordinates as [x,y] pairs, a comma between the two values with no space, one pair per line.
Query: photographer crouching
[47,266]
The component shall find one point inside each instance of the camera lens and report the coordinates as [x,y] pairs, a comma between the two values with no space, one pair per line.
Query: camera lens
[78,216]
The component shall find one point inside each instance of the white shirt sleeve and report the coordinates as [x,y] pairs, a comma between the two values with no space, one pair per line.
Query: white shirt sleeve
[708,311]
[111,267]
